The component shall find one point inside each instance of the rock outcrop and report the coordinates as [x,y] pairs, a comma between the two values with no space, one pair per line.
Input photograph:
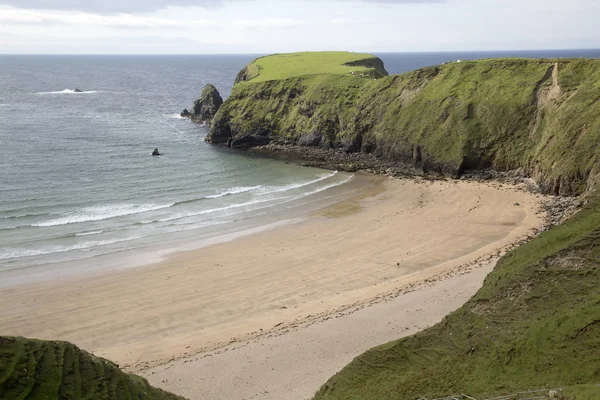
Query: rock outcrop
[206,107]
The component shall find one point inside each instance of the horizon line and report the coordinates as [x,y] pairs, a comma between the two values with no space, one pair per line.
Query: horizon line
[264,53]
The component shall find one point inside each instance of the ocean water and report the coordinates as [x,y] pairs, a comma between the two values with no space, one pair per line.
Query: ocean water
[77,179]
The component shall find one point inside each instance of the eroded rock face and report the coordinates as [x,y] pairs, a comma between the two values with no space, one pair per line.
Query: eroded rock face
[206,106]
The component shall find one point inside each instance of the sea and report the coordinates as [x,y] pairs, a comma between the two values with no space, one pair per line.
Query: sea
[80,190]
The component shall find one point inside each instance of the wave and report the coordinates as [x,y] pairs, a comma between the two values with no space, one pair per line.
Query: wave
[279,200]
[70,91]
[24,216]
[235,190]
[89,233]
[8,253]
[175,116]
[100,213]
[292,186]
[227,192]
[212,210]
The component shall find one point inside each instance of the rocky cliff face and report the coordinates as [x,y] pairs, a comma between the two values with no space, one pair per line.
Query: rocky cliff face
[206,107]
[535,117]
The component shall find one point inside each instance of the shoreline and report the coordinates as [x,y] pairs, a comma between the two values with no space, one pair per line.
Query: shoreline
[140,256]
[361,248]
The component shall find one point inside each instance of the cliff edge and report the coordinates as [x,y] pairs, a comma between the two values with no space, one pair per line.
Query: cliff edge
[536,118]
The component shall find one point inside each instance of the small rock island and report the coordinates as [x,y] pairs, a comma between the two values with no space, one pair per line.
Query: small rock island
[206,107]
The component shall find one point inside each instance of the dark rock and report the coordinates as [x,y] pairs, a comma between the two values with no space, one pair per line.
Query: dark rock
[156,152]
[207,106]
[77,91]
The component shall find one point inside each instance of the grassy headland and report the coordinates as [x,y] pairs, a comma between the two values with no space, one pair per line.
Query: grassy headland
[291,65]
[535,116]
[36,369]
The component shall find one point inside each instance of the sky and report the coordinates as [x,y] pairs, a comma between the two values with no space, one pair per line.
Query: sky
[270,26]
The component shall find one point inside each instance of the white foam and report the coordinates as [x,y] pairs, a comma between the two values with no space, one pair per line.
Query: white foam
[235,190]
[8,253]
[175,116]
[69,91]
[100,213]
[292,186]
[213,210]
[277,200]
[89,233]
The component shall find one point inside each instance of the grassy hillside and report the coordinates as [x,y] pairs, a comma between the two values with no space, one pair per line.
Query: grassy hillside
[291,65]
[539,116]
[35,369]
[534,324]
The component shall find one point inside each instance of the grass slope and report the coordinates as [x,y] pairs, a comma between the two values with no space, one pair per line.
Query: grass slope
[290,65]
[534,324]
[536,115]
[35,369]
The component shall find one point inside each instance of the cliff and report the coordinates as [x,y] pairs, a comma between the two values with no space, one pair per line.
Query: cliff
[537,117]
[36,369]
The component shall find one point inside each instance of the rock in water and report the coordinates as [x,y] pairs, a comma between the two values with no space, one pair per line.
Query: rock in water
[155,152]
[206,106]
[77,91]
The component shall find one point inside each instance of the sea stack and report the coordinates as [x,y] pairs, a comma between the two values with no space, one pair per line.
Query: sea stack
[206,106]
[156,152]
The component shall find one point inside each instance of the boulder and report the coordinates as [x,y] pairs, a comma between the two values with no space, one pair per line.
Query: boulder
[77,91]
[185,113]
[156,152]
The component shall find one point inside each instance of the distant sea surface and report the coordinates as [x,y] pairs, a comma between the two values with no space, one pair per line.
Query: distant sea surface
[77,179]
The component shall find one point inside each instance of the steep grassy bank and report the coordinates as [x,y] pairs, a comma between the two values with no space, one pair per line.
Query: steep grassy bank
[35,369]
[537,116]
[534,324]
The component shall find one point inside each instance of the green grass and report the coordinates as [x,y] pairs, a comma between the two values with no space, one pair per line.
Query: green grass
[582,392]
[35,369]
[473,114]
[534,324]
[284,66]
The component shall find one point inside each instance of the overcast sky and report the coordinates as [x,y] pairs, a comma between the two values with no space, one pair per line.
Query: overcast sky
[267,26]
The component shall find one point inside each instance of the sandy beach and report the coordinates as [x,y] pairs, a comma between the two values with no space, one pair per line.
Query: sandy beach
[396,235]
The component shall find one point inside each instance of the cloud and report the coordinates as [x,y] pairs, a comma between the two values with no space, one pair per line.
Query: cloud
[137,6]
[46,17]
[32,17]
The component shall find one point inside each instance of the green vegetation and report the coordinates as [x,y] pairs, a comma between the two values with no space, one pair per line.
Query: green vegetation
[36,369]
[291,65]
[539,116]
[534,324]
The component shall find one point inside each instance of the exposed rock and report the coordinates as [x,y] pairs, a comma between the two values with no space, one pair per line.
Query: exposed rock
[77,91]
[156,152]
[206,106]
